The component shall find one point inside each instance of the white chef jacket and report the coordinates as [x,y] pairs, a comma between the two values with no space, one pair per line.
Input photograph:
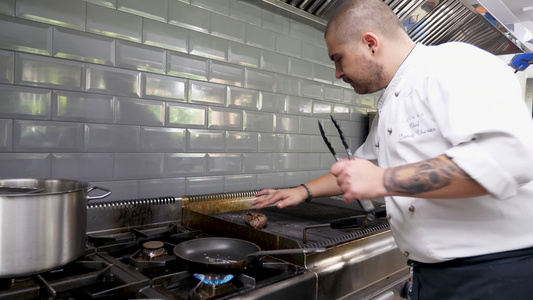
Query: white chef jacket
[458,100]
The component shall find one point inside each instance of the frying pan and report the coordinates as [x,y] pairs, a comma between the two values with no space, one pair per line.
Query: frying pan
[225,255]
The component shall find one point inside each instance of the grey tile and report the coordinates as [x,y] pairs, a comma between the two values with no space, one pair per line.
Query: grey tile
[25,102]
[139,111]
[186,115]
[113,23]
[258,79]
[83,166]
[309,125]
[301,31]
[111,138]
[185,164]
[260,37]
[82,107]
[258,121]
[350,97]
[287,85]
[160,139]
[41,71]
[219,6]
[322,109]
[298,143]
[275,62]
[316,144]
[271,142]
[300,68]
[140,57]
[165,35]
[332,93]
[273,102]
[299,106]
[243,54]
[296,178]
[224,73]
[88,47]
[138,165]
[222,164]
[237,183]
[112,81]
[207,93]
[6,135]
[245,12]
[25,165]
[314,53]
[257,162]
[243,98]
[341,112]
[284,161]
[7,7]
[238,141]
[189,16]
[311,89]
[287,124]
[275,22]
[323,74]
[163,87]
[288,45]
[46,136]
[205,140]
[7,66]
[188,66]
[154,9]
[224,118]
[155,188]
[227,28]
[120,190]
[204,185]
[309,161]
[66,13]
[270,180]
[368,100]
[205,45]
[106,3]
[27,36]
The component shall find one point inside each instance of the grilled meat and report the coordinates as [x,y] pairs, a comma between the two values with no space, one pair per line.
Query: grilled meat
[255,219]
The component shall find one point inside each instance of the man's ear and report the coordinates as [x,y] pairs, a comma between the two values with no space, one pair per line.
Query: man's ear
[371,40]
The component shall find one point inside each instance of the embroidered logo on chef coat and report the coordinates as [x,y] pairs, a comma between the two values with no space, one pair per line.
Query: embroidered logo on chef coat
[416,125]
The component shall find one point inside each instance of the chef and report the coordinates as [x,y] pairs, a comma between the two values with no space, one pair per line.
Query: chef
[450,151]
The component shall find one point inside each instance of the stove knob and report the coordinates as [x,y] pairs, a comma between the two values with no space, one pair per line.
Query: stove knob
[407,290]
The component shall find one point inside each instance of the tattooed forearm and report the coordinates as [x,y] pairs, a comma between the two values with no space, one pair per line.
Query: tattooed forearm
[426,176]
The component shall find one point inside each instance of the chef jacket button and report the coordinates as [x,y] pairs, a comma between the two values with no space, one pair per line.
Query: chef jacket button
[396,93]
[389,130]
[376,144]
[389,217]
[411,208]
[406,254]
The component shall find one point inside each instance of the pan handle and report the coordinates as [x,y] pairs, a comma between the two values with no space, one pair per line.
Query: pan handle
[89,198]
[287,251]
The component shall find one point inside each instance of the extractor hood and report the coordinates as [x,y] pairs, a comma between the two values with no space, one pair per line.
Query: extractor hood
[430,22]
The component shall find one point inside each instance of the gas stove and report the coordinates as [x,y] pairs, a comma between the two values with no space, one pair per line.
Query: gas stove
[139,263]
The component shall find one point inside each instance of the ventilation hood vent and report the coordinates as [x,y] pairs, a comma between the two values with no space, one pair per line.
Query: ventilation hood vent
[431,22]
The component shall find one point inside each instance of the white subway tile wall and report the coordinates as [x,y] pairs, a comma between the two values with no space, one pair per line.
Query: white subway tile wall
[168,97]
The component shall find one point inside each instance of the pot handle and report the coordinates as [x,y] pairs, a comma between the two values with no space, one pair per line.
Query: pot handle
[89,198]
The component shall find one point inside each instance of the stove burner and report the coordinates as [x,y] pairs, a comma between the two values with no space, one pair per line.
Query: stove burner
[213,279]
[153,249]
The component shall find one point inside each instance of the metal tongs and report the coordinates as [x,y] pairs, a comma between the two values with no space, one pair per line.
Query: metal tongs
[366,204]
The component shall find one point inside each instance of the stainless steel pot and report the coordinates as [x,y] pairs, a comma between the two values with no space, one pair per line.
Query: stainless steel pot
[42,223]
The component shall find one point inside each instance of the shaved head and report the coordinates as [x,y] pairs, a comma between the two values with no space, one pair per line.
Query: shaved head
[355,17]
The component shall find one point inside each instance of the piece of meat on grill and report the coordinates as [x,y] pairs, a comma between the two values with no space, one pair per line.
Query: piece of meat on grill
[255,219]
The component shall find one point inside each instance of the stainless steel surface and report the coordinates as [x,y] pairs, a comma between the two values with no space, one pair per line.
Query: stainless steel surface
[431,22]
[41,231]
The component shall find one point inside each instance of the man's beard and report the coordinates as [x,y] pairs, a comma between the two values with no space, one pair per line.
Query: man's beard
[374,80]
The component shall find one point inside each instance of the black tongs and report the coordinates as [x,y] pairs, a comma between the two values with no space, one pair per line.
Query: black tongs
[366,204]
[343,140]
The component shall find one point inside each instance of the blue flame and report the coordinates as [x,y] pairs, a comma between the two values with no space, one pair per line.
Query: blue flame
[214,279]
